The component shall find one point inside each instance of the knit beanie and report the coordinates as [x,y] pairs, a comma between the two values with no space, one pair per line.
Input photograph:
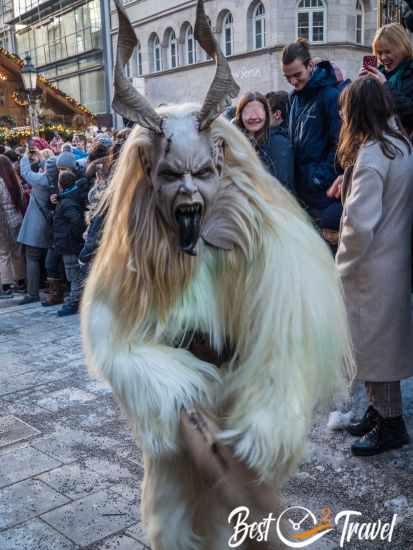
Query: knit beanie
[66,160]
[51,170]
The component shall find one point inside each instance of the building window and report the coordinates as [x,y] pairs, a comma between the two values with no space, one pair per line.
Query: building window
[359,22]
[190,49]
[311,20]
[172,51]
[156,54]
[228,35]
[134,67]
[259,26]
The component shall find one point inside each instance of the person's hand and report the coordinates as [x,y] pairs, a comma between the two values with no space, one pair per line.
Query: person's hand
[363,71]
[54,199]
[334,192]
[375,73]
[235,483]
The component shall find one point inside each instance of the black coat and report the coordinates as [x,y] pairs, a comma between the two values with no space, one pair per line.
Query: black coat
[402,93]
[69,224]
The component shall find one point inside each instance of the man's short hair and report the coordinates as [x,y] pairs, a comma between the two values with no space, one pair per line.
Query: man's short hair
[279,101]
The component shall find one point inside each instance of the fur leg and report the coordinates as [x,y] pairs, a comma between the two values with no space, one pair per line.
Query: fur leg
[169,491]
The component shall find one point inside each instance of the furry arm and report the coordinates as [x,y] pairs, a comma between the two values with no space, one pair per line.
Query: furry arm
[153,382]
[294,346]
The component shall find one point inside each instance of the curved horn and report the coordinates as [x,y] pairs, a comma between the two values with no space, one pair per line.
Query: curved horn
[127,101]
[223,87]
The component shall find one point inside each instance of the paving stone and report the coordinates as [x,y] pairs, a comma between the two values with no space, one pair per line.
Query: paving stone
[23,463]
[75,481]
[138,532]
[123,542]
[34,535]
[100,387]
[25,500]
[65,398]
[67,444]
[13,429]
[92,518]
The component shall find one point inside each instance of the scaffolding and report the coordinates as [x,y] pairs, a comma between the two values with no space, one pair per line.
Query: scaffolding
[6,30]
[389,11]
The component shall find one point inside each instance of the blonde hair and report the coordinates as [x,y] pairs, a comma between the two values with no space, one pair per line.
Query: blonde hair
[393,35]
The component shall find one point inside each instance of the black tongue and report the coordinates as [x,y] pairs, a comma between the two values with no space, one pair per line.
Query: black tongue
[189,232]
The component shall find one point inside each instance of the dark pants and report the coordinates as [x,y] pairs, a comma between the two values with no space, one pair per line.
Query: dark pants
[54,265]
[34,257]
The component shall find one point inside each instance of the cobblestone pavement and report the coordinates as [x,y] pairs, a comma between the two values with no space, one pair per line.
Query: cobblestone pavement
[70,472]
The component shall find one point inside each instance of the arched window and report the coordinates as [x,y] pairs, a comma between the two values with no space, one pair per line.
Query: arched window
[311,20]
[156,54]
[228,35]
[258,19]
[359,22]
[134,67]
[172,50]
[190,48]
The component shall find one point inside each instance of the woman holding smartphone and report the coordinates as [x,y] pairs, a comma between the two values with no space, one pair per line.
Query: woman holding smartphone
[374,258]
[394,52]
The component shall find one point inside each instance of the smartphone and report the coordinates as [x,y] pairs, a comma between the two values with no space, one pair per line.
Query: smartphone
[369,61]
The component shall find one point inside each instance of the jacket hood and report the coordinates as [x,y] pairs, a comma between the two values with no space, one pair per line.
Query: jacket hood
[322,77]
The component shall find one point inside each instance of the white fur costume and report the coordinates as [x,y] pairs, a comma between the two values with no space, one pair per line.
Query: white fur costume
[275,296]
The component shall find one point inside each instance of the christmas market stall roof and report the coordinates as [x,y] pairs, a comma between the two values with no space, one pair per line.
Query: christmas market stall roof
[54,100]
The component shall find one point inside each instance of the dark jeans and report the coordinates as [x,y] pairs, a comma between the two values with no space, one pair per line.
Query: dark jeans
[54,265]
[34,257]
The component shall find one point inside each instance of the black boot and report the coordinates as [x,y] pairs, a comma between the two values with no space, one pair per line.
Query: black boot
[387,434]
[366,424]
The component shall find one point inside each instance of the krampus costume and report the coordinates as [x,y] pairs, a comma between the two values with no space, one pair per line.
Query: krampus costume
[202,245]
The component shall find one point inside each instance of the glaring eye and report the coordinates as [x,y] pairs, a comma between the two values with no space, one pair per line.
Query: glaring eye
[204,173]
[169,175]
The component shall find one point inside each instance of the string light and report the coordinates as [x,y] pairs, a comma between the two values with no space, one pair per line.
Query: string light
[3,76]
[52,87]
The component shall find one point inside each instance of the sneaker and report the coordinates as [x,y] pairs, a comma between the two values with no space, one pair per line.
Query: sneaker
[28,300]
[68,309]
[6,294]
[387,434]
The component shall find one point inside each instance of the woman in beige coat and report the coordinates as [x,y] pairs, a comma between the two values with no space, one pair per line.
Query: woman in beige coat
[374,258]
[12,267]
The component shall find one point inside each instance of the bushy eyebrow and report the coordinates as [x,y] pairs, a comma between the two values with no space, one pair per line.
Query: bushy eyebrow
[166,166]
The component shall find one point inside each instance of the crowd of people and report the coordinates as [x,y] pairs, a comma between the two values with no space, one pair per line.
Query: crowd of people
[342,148]
[48,191]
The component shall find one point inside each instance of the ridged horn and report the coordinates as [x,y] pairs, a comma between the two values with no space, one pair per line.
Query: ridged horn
[223,87]
[127,101]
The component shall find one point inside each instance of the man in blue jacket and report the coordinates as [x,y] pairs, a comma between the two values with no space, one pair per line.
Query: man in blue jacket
[314,127]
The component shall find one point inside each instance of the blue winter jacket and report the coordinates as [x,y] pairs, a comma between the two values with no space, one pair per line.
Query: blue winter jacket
[314,128]
[278,156]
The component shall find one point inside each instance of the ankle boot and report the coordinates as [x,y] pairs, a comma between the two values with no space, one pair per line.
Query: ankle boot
[387,434]
[366,424]
[56,293]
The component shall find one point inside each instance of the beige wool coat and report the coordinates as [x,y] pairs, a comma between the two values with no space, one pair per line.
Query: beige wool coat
[374,262]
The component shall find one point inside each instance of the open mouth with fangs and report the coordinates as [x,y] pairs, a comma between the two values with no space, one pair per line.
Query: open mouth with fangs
[188,217]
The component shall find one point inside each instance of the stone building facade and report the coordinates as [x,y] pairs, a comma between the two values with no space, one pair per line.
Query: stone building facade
[168,66]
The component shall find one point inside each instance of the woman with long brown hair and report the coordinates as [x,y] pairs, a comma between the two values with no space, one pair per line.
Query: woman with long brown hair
[254,118]
[374,257]
[12,268]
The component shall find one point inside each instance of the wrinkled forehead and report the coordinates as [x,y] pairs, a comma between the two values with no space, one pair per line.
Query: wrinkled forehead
[184,145]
